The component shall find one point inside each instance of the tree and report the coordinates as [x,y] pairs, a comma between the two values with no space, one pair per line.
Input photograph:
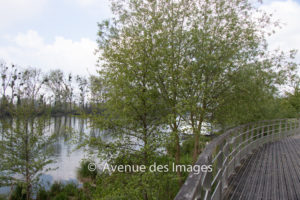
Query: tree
[32,82]
[13,83]
[226,43]
[195,56]
[7,78]
[158,27]
[83,88]
[56,82]
[133,106]
[70,92]
[25,150]
[97,89]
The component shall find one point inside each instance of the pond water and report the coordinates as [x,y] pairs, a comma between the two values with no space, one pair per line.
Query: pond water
[66,155]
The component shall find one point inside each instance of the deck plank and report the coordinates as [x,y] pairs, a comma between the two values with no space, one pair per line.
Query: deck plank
[272,172]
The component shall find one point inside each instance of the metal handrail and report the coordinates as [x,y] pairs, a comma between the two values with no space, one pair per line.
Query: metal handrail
[226,152]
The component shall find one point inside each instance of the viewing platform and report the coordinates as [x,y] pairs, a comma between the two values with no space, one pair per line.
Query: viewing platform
[253,161]
[273,172]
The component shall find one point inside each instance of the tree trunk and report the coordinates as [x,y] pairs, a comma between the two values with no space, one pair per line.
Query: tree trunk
[196,146]
[27,161]
[197,132]
[177,154]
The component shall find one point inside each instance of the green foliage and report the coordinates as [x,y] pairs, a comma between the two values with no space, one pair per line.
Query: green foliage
[6,108]
[42,194]
[59,190]
[292,102]
[56,188]
[26,150]
[3,197]
[19,192]
[150,185]
[84,172]
[188,144]
[61,196]
[164,62]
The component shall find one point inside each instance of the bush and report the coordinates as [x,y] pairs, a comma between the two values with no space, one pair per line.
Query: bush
[42,194]
[61,196]
[60,191]
[56,188]
[84,172]
[19,193]
[3,197]
[71,189]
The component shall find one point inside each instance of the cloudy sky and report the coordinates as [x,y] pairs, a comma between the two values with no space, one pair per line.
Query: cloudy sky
[51,34]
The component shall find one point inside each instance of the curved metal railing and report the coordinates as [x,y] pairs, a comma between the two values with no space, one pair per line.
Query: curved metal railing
[225,153]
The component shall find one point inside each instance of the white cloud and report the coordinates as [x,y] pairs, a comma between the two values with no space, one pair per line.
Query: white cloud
[15,11]
[29,40]
[70,56]
[288,13]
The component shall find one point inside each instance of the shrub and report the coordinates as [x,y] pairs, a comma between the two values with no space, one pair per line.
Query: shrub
[19,193]
[42,194]
[61,196]
[84,172]
[56,188]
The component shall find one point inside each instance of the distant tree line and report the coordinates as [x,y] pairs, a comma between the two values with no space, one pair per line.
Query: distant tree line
[54,91]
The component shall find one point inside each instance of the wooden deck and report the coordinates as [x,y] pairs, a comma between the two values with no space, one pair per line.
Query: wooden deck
[271,173]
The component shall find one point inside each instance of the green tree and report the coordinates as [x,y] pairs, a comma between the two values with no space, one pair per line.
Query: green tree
[7,78]
[60,89]
[134,107]
[25,149]
[153,34]
[83,88]
[193,59]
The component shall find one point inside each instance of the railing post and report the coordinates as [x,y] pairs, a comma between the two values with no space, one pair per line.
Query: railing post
[273,131]
[237,149]
[225,161]
[268,139]
[220,168]
[296,127]
[286,126]
[252,137]
[240,146]
[262,133]
[280,130]
[292,127]
[247,138]
[207,179]
[256,135]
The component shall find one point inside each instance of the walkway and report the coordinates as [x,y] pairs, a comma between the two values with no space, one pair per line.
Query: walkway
[271,173]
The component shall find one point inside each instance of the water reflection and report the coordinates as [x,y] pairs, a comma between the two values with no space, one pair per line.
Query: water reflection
[66,155]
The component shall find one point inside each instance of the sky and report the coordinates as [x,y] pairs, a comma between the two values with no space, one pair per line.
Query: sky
[61,34]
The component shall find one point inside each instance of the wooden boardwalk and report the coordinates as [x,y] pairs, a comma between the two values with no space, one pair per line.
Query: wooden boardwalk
[271,173]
